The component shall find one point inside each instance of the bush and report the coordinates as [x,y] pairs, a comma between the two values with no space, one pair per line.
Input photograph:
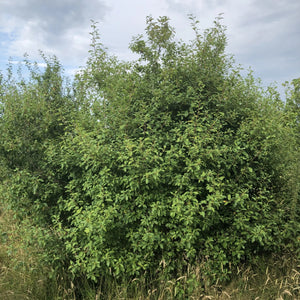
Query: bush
[156,164]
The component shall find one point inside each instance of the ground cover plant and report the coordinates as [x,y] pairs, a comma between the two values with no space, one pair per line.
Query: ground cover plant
[143,171]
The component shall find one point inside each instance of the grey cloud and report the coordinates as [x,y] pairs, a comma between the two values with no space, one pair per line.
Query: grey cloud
[271,31]
[262,12]
[211,4]
[50,24]
[262,34]
[57,14]
[181,7]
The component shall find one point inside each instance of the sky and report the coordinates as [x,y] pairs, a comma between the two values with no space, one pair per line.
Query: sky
[262,34]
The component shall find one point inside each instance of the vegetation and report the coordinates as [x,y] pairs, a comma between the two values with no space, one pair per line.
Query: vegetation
[172,176]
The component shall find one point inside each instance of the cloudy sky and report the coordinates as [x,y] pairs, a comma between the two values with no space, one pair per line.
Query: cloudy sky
[262,34]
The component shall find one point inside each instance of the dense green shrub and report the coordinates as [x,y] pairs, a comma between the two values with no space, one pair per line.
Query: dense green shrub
[37,109]
[154,165]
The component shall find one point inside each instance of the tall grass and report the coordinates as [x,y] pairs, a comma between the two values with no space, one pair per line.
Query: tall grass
[24,276]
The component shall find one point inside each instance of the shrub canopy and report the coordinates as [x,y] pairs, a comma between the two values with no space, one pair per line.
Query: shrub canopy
[152,165]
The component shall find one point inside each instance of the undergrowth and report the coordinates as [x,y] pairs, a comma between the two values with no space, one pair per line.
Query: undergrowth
[23,276]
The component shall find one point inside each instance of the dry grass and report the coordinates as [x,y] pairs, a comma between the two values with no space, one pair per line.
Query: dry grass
[18,267]
[275,278]
[272,278]
[23,277]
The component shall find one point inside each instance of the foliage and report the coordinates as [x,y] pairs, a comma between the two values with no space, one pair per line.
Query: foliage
[155,165]
[35,114]
[293,102]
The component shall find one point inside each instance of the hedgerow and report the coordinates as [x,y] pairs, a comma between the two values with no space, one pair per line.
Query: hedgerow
[151,166]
